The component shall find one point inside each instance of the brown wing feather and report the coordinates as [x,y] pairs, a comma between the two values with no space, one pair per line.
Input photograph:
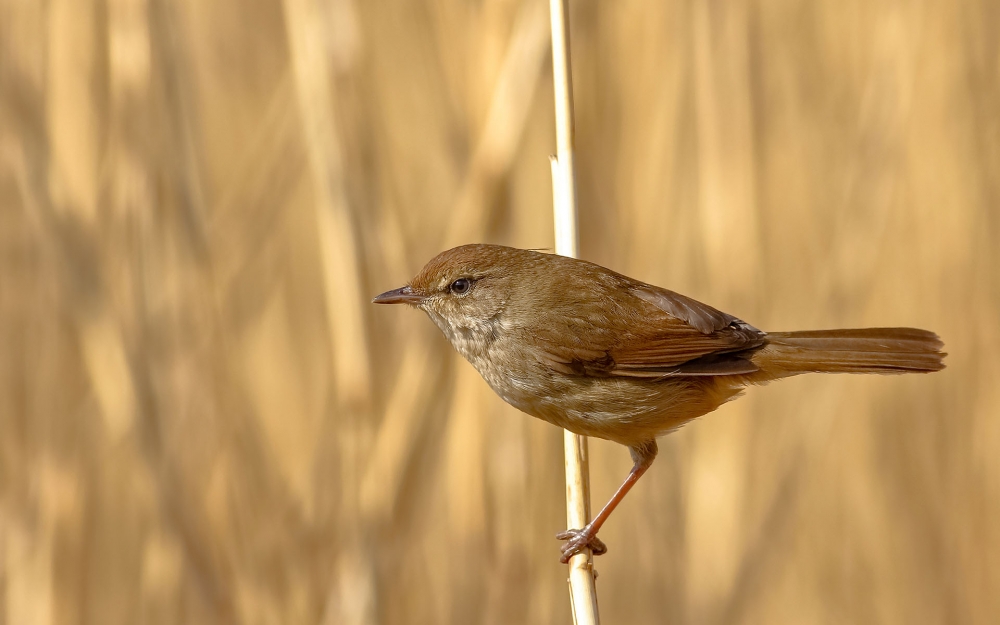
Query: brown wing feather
[661,334]
[700,316]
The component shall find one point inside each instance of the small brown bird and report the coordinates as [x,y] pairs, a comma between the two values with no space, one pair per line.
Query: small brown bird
[601,354]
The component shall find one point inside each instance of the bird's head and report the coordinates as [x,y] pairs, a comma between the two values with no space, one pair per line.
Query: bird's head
[466,290]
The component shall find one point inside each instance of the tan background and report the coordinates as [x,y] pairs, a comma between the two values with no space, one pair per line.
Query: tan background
[203,420]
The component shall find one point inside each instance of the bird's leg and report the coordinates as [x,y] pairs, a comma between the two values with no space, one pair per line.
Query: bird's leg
[577,540]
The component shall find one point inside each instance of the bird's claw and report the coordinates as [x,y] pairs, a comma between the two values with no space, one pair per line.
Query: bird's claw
[578,540]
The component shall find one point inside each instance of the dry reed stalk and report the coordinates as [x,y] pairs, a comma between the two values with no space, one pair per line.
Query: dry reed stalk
[338,244]
[506,118]
[583,592]
[494,152]
[306,30]
[73,187]
[865,134]
[727,209]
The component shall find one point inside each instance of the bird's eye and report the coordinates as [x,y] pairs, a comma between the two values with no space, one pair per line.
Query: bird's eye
[461,286]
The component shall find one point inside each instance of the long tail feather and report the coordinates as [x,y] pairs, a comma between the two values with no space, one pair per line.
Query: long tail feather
[869,350]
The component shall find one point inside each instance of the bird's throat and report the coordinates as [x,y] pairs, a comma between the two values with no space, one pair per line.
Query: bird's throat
[472,338]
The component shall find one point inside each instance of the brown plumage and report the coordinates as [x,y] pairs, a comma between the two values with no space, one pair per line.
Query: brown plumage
[604,355]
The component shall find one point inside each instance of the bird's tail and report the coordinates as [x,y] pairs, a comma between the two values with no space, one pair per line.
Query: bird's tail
[869,350]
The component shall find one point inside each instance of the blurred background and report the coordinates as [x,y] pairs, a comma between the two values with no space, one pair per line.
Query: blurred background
[203,419]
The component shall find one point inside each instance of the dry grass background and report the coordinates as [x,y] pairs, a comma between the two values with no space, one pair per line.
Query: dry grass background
[203,420]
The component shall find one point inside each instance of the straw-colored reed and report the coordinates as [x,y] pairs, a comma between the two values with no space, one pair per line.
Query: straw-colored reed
[202,420]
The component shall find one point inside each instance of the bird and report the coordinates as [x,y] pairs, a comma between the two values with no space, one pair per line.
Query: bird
[600,354]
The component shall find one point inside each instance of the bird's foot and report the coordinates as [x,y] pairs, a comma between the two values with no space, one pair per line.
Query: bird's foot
[578,540]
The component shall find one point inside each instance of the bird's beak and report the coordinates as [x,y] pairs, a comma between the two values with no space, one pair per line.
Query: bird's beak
[402,295]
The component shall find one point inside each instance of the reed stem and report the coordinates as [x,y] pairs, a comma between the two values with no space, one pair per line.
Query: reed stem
[583,592]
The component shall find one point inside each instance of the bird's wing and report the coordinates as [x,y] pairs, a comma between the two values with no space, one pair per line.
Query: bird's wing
[658,334]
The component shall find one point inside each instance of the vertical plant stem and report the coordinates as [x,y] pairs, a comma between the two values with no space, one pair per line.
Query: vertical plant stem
[583,593]
[353,600]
